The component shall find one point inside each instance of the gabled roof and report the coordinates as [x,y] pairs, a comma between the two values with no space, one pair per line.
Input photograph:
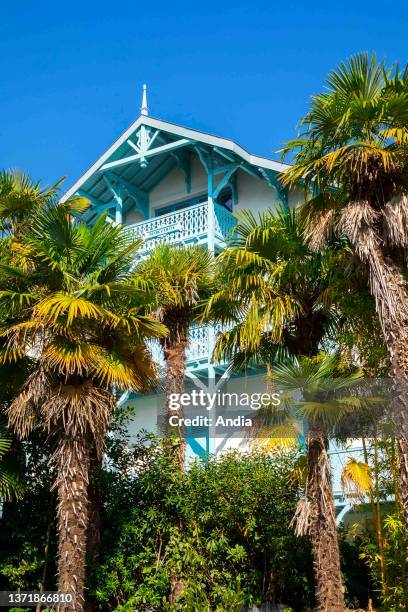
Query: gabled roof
[170,140]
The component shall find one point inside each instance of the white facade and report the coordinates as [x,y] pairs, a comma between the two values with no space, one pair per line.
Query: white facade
[168,183]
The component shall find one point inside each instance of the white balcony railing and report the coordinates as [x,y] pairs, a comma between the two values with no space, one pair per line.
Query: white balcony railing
[188,225]
[191,224]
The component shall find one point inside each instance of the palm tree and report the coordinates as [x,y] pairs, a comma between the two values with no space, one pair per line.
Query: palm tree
[20,199]
[12,457]
[356,479]
[352,155]
[71,302]
[322,406]
[280,298]
[11,481]
[180,281]
[275,294]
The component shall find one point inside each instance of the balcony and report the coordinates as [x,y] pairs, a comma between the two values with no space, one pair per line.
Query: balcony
[198,224]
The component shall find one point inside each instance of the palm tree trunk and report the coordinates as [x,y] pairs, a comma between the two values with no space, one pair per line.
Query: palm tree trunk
[391,299]
[323,529]
[93,538]
[73,461]
[388,288]
[174,348]
[320,519]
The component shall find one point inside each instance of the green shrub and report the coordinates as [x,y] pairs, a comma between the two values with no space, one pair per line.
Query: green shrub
[223,527]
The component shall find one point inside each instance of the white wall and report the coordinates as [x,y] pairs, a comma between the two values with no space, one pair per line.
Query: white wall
[172,188]
[133,216]
[296,196]
[254,194]
[145,414]
[258,196]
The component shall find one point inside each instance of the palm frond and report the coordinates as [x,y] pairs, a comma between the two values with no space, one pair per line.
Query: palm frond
[356,479]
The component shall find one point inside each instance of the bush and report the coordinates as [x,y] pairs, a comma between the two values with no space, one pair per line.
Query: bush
[27,527]
[222,527]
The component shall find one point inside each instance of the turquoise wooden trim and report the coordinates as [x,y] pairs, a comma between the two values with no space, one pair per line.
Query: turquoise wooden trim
[225,154]
[273,181]
[160,173]
[225,180]
[129,187]
[140,197]
[171,146]
[234,189]
[97,205]
[118,200]
[111,188]
[133,145]
[204,158]
[226,168]
[249,170]
[195,446]
[183,161]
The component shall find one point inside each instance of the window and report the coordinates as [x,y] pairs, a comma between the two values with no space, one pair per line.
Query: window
[225,198]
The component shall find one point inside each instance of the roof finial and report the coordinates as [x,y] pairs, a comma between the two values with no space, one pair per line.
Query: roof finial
[144,109]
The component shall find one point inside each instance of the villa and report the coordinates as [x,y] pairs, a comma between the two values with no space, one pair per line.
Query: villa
[173,184]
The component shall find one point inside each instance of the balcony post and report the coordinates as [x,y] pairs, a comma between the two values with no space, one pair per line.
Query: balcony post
[211,212]
[117,196]
[118,211]
[212,429]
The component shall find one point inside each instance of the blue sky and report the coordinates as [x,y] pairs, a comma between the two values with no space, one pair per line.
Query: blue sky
[72,72]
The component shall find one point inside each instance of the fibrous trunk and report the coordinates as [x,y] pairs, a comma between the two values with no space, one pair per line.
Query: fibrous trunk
[388,288]
[93,540]
[174,348]
[322,529]
[72,460]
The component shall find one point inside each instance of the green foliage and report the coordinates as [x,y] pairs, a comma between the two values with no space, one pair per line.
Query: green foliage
[28,525]
[359,334]
[12,459]
[361,116]
[20,199]
[276,293]
[75,282]
[178,279]
[223,527]
[386,558]
[394,593]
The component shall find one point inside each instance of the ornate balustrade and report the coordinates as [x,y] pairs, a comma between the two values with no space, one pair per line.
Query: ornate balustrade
[224,222]
[189,225]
